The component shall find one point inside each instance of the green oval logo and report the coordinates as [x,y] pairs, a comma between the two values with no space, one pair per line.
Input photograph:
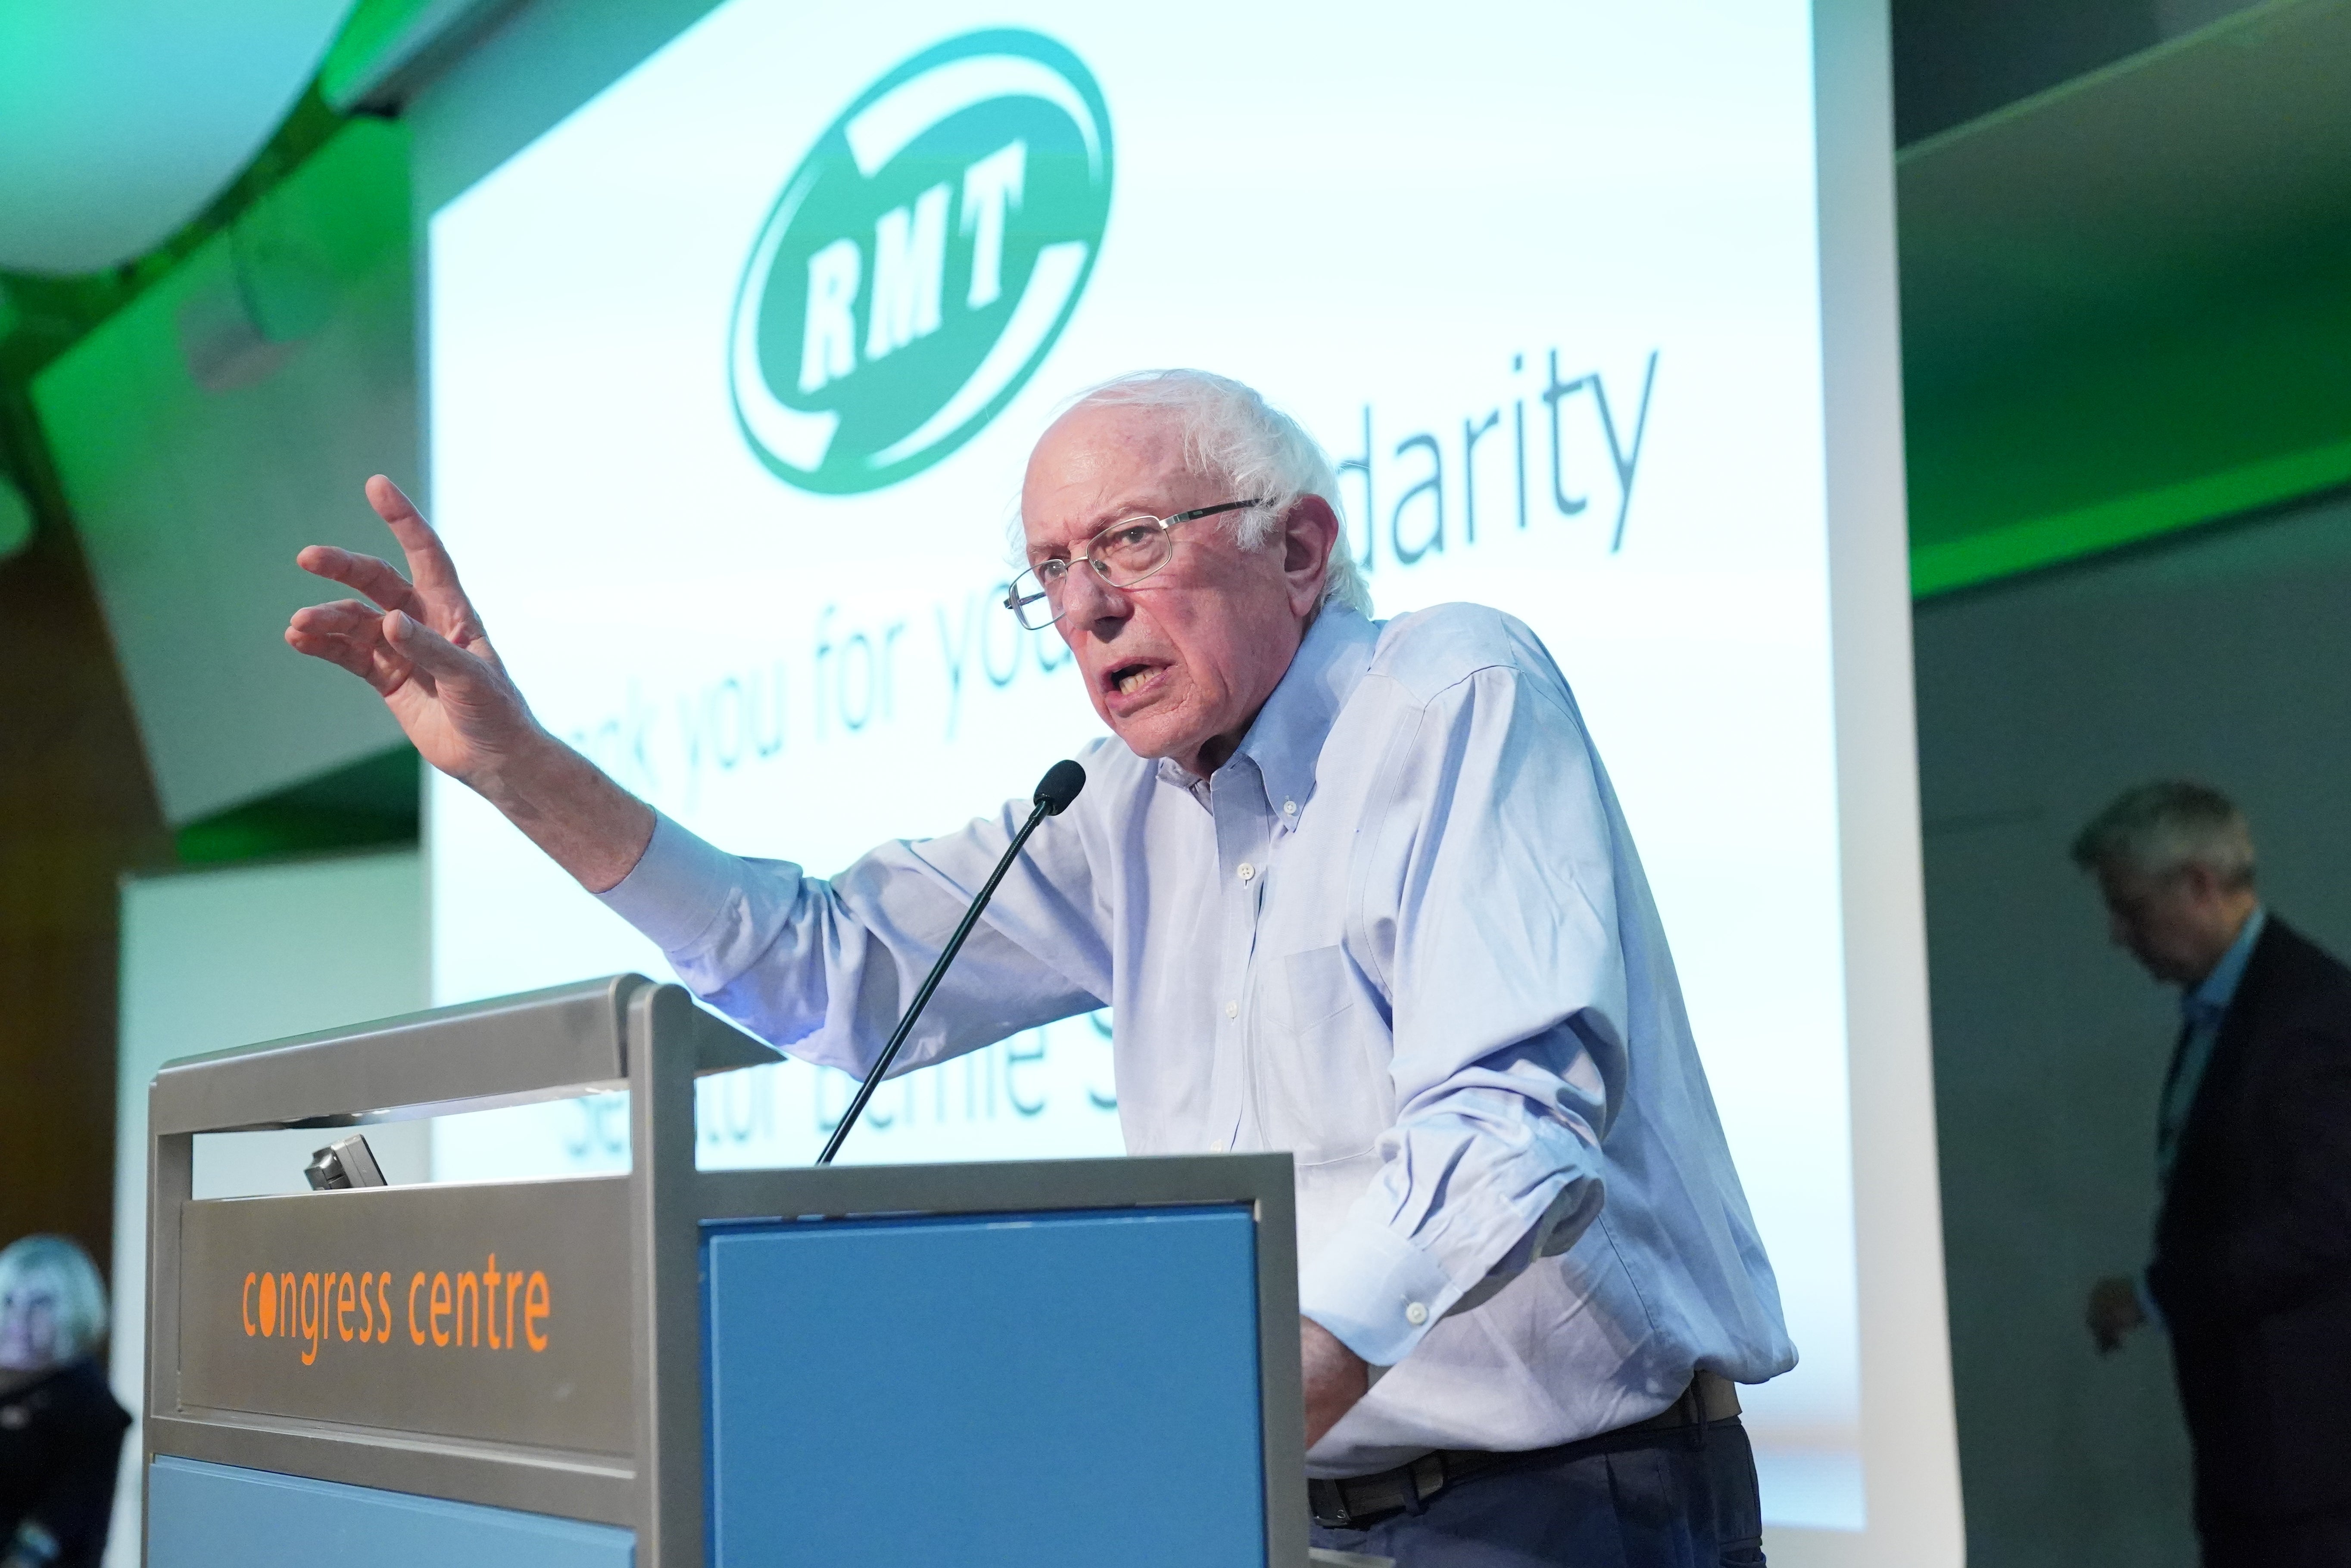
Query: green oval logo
[921,262]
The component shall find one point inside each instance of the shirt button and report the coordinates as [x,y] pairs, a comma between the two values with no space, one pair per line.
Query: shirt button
[1416,1315]
[1217,1146]
[1289,808]
[1247,871]
[1232,1010]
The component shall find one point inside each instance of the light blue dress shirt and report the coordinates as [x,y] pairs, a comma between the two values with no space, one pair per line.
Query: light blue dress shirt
[2200,1014]
[1402,933]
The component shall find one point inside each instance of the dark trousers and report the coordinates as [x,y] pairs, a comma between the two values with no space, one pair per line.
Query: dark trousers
[2309,1541]
[1661,1500]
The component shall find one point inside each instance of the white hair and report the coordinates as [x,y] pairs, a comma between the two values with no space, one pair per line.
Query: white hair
[2160,828]
[1232,432]
[57,1266]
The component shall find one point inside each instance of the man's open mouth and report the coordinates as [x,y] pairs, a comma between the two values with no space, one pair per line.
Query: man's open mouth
[1127,678]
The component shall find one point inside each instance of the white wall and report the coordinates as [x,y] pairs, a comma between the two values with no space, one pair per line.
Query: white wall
[217,959]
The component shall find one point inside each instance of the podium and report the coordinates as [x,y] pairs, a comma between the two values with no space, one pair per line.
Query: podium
[1036,1363]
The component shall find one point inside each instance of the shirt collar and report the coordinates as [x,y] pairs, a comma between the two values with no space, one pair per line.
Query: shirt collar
[2211,999]
[1286,739]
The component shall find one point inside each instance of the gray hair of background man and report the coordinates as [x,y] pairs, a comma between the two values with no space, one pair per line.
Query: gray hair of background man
[57,1266]
[2160,828]
[1232,432]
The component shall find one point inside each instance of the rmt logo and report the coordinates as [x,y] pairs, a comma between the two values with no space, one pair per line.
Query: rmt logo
[921,262]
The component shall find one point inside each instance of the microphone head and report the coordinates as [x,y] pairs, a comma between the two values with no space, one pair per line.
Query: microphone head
[1059,787]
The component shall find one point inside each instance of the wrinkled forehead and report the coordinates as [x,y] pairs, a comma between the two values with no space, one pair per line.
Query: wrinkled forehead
[1097,464]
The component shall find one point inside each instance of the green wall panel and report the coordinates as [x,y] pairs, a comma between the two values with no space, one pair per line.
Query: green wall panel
[209,429]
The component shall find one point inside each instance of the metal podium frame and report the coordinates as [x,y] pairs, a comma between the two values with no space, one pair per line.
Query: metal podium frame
[625,1032]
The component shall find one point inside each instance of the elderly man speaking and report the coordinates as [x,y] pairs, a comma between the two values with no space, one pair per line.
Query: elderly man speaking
[1357,889]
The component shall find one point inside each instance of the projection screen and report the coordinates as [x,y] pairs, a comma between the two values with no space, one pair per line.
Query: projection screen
[736,352]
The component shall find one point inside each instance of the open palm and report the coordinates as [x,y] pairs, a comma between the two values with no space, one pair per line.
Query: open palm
[418,641]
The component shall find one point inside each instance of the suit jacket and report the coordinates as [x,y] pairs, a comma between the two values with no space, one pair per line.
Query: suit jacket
[2252,1248]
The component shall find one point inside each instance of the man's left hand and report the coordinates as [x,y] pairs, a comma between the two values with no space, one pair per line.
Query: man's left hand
[1335,1377]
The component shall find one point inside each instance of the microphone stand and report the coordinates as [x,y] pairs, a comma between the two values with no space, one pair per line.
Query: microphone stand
[1059,787]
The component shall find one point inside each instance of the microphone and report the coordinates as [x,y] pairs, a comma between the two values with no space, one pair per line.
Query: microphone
[1055,790]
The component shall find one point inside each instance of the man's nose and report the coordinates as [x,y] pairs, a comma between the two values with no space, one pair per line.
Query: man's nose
[1087,600]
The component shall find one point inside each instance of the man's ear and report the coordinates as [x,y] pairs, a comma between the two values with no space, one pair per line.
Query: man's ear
[1309,531]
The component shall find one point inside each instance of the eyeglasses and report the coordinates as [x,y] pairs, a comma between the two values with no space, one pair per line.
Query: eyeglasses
[1122,555]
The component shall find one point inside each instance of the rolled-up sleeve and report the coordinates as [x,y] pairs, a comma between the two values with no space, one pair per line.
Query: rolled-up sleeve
[823,968]
[1487,913]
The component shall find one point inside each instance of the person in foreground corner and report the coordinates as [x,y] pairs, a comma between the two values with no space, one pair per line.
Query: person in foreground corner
[1357,889]
[2252,1271]
[60,1426]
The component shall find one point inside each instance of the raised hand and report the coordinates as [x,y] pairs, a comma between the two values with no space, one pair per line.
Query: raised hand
[418,641]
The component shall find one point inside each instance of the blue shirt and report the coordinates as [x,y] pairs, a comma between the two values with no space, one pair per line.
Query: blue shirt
[1401,933]
[2200,1013]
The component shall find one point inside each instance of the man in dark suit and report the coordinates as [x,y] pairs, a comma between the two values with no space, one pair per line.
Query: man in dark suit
[2252,1271]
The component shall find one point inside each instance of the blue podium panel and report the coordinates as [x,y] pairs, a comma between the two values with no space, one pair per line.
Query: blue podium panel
[219,1516]
[1028,1391]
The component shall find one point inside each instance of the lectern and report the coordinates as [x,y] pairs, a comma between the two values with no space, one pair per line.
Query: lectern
[1077,1362]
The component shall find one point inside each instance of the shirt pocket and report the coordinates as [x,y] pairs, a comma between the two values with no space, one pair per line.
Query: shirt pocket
[1319,1067]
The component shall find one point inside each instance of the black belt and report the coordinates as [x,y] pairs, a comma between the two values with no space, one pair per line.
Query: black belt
[1359,1501]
